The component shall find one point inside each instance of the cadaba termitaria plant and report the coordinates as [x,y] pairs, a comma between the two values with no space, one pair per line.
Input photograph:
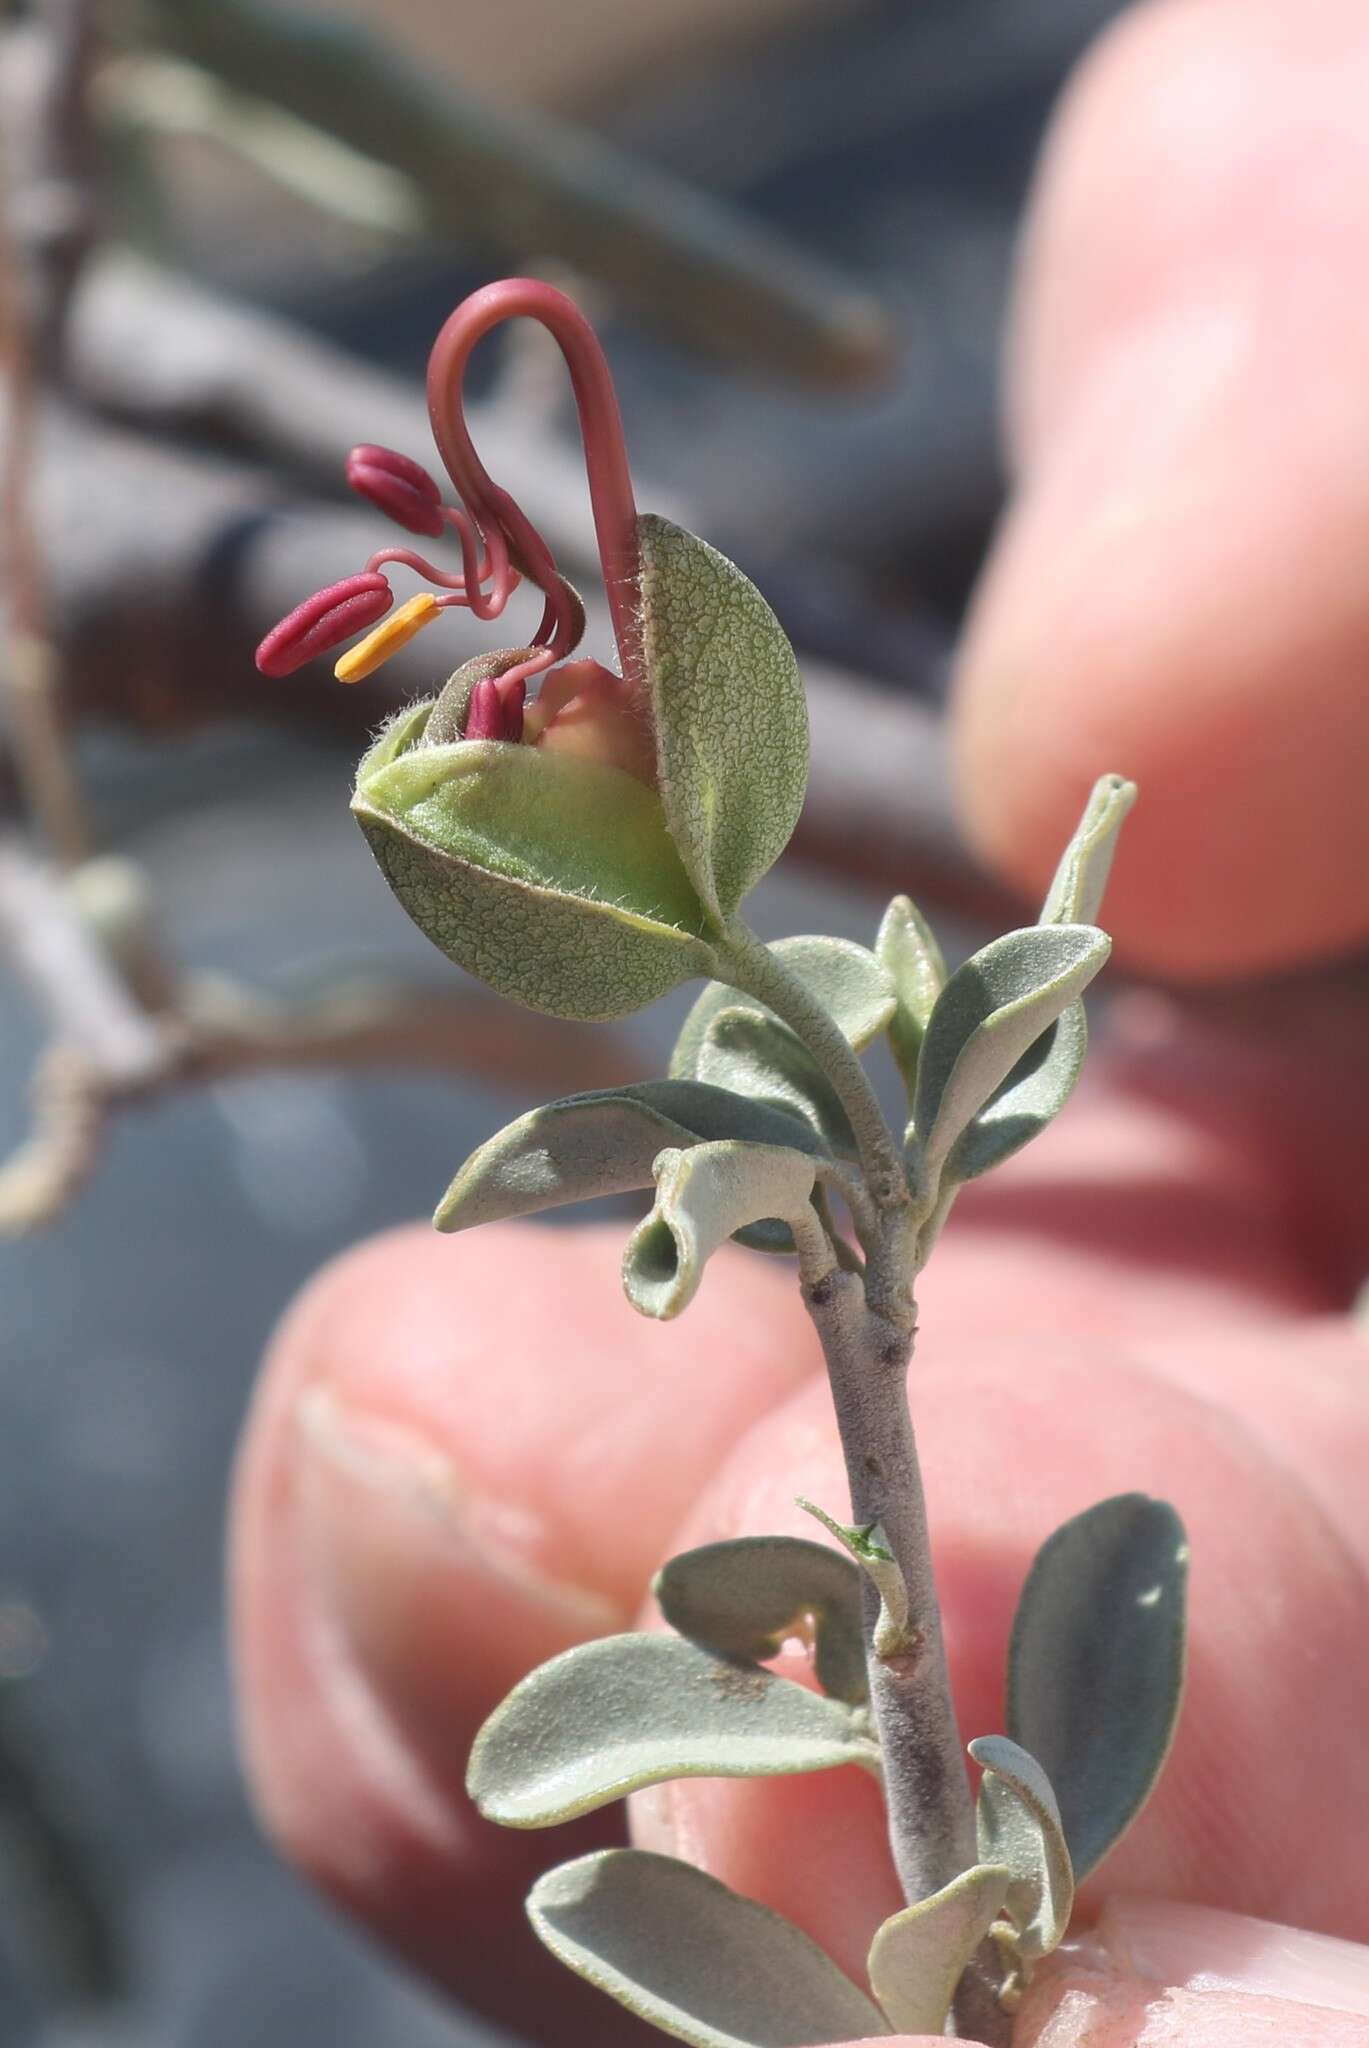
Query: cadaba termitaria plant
[583,850]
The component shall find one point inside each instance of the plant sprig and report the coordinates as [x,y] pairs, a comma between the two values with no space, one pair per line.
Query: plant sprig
[583,851]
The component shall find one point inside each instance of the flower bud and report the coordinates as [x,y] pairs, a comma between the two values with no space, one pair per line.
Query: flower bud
[329,616]
[401,489]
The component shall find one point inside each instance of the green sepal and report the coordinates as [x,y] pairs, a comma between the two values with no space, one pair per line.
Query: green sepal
[746,1596]
[603,1142]
[554,880]
[1018,1824]
[1096,1664]
[704,1196]
[693,1958]
[728,711]
[918,1956]
[609,1717]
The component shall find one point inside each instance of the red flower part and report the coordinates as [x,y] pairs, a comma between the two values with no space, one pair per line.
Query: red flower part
[485,713]
[495,711]
[401,489]
[322,621]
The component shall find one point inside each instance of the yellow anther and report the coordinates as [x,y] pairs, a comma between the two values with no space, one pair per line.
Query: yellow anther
[387,638]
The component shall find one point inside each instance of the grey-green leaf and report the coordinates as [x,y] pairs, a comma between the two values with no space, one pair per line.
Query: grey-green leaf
[608,1717]
[601,1143]
[907,948]
[989,1013]
[919,1955]
[728,710]
[744,1597]
[1075,895]
[698,1961]
[852,985]
[1018,1824]
[1096,1664]
[703,1197]
[756,1056]
[1035,1091]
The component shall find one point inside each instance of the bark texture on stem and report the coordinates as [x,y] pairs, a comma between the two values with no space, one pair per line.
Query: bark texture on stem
[931,1819]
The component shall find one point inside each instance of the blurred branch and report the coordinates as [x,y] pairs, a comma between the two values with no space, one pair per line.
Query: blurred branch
[511,183]
[124,1030]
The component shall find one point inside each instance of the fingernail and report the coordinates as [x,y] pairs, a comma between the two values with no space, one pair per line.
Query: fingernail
[1197,1948]
[429,1591]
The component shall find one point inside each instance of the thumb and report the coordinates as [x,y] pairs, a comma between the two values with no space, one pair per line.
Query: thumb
[1178,590]
[1153,1973]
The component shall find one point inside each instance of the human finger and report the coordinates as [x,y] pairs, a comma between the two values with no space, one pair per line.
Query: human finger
[1178,590]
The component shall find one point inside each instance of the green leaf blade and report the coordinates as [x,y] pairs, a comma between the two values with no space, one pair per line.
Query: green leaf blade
[704,1196]
[906,947]
[991,1011]
[605,1719]
[693,1958]
[919,1955]
[851,983]
[729,714]
[1032,1095]
[1075,895]
[1096,1664]
[743,1597]
[603,1142]
[1018,1825]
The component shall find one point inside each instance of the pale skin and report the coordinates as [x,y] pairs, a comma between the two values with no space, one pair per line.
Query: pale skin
[465,1455]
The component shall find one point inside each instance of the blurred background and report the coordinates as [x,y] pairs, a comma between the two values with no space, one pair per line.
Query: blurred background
[230,231]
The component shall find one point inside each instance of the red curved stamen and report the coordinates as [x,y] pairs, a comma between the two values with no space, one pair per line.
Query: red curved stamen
[398,487]
[601,430]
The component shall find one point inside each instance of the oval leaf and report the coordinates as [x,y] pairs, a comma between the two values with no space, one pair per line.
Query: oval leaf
[1036,1090]
[990,1011]
[1096,1664]
[745,1596]
[603,1142]
[704,1196]
[693,1958]
[919,1956]
[1075,895]
[907,948]
[728,710]
[762,1059]
[608,1717]
[1018,1824]
[553,880]
[854,988]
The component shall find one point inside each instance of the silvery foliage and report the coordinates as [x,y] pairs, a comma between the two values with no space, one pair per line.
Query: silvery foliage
[577,894]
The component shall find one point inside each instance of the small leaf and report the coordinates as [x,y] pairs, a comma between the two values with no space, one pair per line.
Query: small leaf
[990,1011]
[1036,1090]
[704,1196]
[919,1955]
[1096,1664]
[1018,1824]
[853,987]
[693,1958]
[1076,894]
[603,1142]
[753,1056]
[907,948]
[744,1597]
[869,1547]
[552,879]
[728,710]
[608,1717]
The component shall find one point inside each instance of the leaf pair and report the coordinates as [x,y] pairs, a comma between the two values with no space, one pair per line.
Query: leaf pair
[991,1054]
[567,884]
